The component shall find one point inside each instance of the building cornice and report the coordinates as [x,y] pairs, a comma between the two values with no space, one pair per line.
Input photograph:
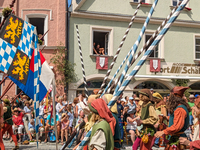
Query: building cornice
[127,18]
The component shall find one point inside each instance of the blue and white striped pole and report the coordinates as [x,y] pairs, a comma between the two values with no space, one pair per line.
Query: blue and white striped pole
[119,48]
[147,53]
[138,66]
[147,44]
[135,46]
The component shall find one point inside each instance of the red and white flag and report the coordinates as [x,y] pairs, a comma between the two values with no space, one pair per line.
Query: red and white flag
[154,65]
[102,63]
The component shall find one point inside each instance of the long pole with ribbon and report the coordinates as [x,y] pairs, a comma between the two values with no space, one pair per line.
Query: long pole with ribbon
[148,52]
[82,64]
[138,66]
[119,48]
[147,44]
[134,47]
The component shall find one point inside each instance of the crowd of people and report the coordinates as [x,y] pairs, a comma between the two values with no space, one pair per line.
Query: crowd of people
[146,116]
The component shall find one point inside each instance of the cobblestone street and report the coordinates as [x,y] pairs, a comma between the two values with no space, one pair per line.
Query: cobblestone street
[47,146]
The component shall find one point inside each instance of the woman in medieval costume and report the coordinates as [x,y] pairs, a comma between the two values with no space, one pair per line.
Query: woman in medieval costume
[103,128]
[179,119]
[7,125]
[161,111]
[195,144]
[148,119]
[117,142]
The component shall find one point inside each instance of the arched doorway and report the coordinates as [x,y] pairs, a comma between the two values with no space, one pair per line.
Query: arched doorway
[157,86]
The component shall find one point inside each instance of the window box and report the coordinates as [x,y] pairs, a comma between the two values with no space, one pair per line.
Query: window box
[186,8]
[94,56]
[143,4]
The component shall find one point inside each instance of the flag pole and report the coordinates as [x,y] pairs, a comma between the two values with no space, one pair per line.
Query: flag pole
[138,66]
[54,113]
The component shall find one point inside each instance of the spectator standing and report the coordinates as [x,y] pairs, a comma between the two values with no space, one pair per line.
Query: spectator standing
[27,115]
[151,90]
[131,106]
[71,117]
[60,108]
[41,110]
[47,109]
[191,104]
[50,125]
[64,127]
[123,101]
[127,99]
[75,110]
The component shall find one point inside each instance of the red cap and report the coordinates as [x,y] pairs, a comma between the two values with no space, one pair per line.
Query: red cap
[179,90]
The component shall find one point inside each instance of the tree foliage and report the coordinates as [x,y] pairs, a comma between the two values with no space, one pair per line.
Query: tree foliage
[182,82]
[63,67]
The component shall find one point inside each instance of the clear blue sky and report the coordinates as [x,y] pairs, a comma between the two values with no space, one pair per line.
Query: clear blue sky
[69,2]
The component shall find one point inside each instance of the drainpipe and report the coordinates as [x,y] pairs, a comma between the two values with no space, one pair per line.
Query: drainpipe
[67,42]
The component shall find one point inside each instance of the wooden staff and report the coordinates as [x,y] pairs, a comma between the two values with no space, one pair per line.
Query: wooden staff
[44,34]
[2,81]
[5,17]
[16,96]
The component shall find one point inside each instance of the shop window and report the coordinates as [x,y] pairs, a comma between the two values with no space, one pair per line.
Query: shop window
[101,41]
[197,48]
[154,54]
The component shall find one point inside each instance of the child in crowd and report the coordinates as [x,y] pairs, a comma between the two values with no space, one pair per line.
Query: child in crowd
[71,117]
[65,126]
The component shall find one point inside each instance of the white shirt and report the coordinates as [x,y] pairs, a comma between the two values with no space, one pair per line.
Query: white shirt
[58,107]
[41,110]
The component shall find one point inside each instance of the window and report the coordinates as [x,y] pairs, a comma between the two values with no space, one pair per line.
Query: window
[40,21]
[197,48]
[175,2]
[154,54]
[137,1]
[101,41]
[1,18]
[18,90]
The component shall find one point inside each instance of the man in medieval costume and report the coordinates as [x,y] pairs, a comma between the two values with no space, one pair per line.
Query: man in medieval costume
[147,119]
[7,124]
[179,118]
[195,143]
